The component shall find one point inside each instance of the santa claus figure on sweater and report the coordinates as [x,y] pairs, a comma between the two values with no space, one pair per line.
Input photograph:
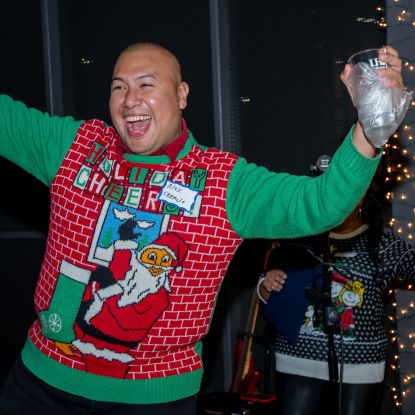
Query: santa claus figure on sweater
[113,318]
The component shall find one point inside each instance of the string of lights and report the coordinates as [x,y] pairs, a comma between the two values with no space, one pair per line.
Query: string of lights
[399,22]
[405,338]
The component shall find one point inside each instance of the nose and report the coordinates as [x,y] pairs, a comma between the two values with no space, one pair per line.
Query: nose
[133,98]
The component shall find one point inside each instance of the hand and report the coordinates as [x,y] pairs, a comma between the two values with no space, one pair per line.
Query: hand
[274,280]
[391,75]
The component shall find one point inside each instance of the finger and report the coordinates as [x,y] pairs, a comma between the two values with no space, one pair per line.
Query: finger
[391,59]
[276,285]
[266,284]
[278,281]
[274,272]
[391,77]
[393,83]
[344,76]
[280,278]
[391,50]
[277,275]
[274,280]
[273,286]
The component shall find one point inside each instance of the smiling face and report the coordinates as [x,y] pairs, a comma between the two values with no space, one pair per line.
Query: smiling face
[156,260]
[147,98]
[351,299]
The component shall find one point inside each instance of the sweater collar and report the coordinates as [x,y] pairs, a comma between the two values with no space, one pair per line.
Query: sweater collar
[171,150]
[163,158]
[357,231]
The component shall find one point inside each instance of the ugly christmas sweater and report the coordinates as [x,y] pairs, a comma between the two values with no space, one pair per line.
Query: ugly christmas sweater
[361,275]
[138,247]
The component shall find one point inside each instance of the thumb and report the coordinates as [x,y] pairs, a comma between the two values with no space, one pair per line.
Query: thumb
[345,76]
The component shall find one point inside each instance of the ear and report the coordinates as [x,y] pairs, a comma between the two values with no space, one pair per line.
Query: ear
[183,92]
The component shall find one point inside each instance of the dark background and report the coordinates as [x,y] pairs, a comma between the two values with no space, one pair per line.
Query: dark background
[290,55]
[285,62]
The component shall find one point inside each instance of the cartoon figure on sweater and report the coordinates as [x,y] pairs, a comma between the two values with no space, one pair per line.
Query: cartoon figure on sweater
[337,283]
[119,234]
[114,318]
[351,296]
[119,301]
[311,324]
[308,322]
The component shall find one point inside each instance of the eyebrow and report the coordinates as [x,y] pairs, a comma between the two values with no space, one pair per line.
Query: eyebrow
[119,78]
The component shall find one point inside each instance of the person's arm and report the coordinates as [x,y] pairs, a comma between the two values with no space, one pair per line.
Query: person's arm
[261,204]
[33,140]
[264,204]
[362,144]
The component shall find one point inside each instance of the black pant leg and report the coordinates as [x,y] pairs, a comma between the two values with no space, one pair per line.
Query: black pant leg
[361,399]
[300,395]
[25,394]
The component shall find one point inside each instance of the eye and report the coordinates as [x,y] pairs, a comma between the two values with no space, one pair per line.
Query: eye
[165,259]
[146,85]
[117,87]
[152,256]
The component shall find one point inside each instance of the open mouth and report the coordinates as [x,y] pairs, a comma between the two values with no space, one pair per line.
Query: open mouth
[155,272]
[138,124]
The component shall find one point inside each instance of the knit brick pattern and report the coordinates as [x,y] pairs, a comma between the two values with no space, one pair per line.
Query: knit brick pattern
[94,163]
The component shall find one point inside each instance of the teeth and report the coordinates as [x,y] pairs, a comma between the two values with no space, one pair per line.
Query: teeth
[134,118]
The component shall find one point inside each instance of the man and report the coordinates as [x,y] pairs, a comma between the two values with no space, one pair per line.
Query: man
[193,206]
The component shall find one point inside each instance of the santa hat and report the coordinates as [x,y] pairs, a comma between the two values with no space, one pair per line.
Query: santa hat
[174,245]
[337,277]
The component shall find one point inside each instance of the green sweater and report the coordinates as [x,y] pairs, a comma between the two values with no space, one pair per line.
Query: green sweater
[260,203]
[240,201]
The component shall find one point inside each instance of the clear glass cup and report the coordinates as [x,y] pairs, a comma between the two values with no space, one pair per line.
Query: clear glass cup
[380,109]
[369,56]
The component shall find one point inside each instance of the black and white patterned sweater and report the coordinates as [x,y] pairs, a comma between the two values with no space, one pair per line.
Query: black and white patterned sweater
[357,293]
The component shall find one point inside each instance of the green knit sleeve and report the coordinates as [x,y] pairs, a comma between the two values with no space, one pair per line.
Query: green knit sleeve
[35,141]
[264,204]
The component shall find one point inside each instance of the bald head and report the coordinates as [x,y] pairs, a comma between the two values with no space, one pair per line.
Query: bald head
[142,46]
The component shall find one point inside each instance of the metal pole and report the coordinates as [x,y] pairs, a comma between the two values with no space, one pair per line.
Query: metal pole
[225,138]
[225,100]
[52,56]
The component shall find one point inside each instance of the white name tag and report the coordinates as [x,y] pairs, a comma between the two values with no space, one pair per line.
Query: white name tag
[178,195]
